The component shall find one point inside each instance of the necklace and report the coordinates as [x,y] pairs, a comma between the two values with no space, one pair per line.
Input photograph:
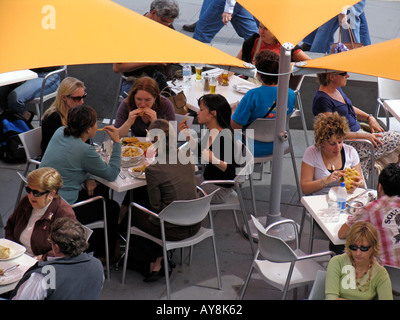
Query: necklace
[367,283]
[327,159]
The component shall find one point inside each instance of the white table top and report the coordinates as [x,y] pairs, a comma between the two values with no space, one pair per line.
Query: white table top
[25,262]
[122,185]
[16,76]
[196,90]
[394,107]
[316,205]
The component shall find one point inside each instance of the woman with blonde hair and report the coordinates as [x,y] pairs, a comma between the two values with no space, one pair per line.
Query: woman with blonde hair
[30,223]
[143,105]
[70,93]
[325,162]
[357,274]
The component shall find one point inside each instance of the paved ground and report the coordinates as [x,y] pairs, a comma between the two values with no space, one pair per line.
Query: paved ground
[198,282]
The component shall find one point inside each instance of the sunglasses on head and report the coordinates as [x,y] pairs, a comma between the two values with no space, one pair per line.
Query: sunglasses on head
[343,74]
[76,99]
[353,247]
[35,193]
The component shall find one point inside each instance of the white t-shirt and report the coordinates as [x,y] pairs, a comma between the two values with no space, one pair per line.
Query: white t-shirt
[313,157]
[25,237]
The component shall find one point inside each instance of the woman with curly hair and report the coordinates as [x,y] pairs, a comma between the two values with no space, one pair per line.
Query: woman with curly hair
[330,98]
[357,274]
[324,163]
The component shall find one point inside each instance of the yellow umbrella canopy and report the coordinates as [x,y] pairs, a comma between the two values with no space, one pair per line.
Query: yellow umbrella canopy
[379,60]
[38,33]
[291,20]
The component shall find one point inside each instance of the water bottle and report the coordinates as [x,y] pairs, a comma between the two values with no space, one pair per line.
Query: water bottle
[187,75]
[341,195]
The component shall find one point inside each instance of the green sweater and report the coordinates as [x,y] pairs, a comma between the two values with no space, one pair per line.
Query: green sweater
[340,281]
[77,161]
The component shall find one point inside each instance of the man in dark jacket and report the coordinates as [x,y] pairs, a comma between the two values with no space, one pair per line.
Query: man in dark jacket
[72,275]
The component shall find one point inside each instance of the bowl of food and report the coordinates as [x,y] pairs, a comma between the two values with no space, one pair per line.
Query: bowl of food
[138,172]
[131,156]
[353,206]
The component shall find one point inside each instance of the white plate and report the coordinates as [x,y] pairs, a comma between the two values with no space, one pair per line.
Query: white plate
[16,249]
[135,175]
[12,276]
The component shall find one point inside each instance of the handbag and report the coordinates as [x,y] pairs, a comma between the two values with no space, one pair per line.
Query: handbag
[344,46]
[178,101]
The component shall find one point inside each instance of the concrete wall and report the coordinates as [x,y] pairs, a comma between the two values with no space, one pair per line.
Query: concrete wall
[101,85]
[361,90]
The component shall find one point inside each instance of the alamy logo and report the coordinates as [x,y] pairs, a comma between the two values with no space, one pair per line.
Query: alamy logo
[49,277]
[49,20]
[349,280]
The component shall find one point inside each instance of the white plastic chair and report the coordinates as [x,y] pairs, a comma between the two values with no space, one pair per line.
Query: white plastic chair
[181,213]
[372,176]
[39,101]
[235,199]
[278,264]
[264,131]
[295,84]
[394,274]
[318,289]
[118,99]
[387,90]
[31,141]
[100,224]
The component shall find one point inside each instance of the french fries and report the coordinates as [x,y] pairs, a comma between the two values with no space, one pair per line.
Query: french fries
[139,169]
[130,152]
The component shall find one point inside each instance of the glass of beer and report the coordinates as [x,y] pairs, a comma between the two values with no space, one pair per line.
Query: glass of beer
[225,78]
[213,85]
[199,69]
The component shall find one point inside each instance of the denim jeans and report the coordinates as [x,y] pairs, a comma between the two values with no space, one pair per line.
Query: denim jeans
[322,38]
[358,23]
[15,96]
[210,21]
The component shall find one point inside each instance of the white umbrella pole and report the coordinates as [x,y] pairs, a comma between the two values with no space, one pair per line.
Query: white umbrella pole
[285,232]
[280,136]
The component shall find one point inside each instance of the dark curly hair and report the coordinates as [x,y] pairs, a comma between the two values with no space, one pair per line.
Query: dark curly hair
[69,235]
[79,120]
[268,61]
[326,126]
[389,178]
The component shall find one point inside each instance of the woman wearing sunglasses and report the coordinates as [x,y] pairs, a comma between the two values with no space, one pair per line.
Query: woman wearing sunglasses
[357,274]
[71,93]
[30,223]
[330,98]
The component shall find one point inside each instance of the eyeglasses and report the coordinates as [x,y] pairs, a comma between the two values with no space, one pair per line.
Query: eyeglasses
[343,74]
[35,193]
[77,99]
[353,247]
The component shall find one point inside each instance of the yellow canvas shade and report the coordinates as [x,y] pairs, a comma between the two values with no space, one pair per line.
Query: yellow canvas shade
[291,20]
[379,60]
[37,33]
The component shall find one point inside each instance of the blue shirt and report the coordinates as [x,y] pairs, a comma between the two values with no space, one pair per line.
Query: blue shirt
[76,161]
[255,104]
[324,103]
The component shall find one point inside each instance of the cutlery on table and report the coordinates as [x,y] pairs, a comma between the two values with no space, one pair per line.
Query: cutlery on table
[9,269]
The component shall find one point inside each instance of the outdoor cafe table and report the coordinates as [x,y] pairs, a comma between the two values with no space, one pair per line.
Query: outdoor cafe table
[394,107]
[196,90]
[316,205]
[7,78]
[25,262]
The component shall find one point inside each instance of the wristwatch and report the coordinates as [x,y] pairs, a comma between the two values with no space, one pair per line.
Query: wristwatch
[370,115]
